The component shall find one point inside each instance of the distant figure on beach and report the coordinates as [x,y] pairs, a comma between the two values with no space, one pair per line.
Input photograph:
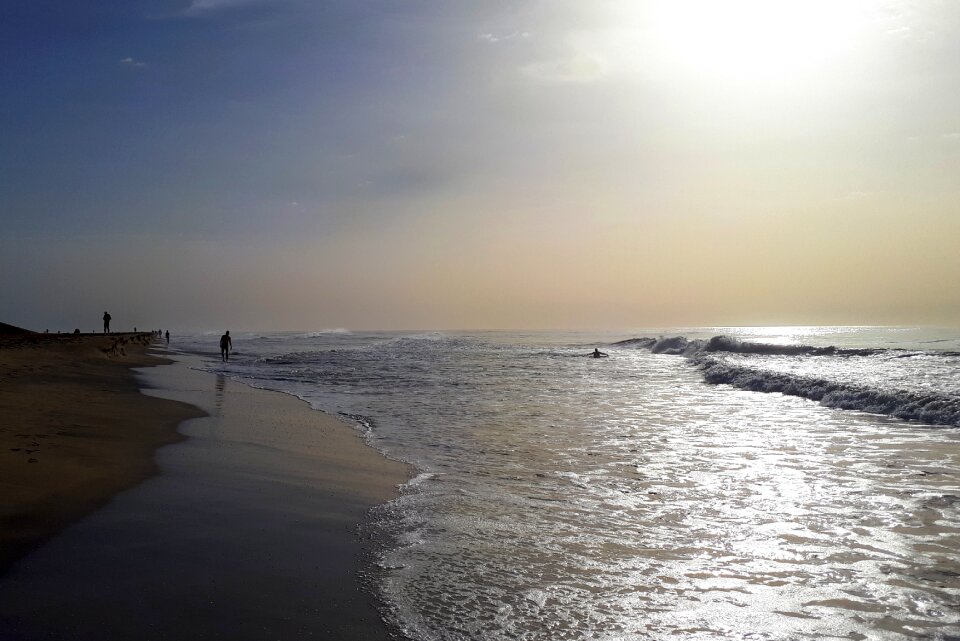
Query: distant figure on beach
[225,344]
[598,354]
[106,323]
[168,336]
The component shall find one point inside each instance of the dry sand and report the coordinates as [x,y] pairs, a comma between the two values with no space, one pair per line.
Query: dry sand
[74,430]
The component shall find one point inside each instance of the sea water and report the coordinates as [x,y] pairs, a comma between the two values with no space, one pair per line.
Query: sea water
[775,483]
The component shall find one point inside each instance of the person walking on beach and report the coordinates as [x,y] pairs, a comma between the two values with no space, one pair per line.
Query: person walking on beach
[168,336]
[106,323]
[225,344]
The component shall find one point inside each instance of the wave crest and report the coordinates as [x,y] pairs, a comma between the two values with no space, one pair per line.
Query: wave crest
[934,409]
[682,346]
[328,332]
[671,345]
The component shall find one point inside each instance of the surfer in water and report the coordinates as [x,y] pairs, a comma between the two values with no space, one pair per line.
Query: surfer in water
[598,354]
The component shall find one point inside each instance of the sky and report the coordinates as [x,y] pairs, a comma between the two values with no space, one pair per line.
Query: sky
[445,164]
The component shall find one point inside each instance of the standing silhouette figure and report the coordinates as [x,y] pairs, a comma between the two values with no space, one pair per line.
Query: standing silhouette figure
[225,344]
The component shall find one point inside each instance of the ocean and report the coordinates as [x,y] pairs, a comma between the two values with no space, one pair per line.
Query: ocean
[708,483]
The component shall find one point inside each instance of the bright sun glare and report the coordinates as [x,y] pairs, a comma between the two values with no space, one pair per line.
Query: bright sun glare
[755,39]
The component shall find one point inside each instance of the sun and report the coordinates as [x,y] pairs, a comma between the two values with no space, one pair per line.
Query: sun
[747,40]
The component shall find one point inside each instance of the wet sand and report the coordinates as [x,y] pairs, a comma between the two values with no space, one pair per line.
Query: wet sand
[249,532]
[74,430]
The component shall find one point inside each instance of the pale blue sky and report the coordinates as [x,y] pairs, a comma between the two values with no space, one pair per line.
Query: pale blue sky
[618,163]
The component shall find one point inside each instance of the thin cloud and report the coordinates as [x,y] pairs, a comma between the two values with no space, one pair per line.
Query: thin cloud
[900,32]
[494,38]
[579,68]
[203,7]
[130,62]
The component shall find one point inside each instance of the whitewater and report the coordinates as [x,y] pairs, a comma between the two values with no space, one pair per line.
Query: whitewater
[705,483]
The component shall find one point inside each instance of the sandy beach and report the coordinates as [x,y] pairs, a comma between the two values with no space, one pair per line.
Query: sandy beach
[75,430]
[249,531]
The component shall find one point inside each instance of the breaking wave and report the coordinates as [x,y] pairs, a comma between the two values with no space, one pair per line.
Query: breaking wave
[933,408]
[682,346]
[327,332]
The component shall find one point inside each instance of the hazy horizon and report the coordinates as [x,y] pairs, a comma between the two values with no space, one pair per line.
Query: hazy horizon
[280,164]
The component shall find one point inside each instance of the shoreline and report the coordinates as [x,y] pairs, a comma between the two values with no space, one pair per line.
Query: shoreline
[68,403]
[252,530]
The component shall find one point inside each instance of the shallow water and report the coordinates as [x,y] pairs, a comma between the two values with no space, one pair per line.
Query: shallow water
[564,497]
